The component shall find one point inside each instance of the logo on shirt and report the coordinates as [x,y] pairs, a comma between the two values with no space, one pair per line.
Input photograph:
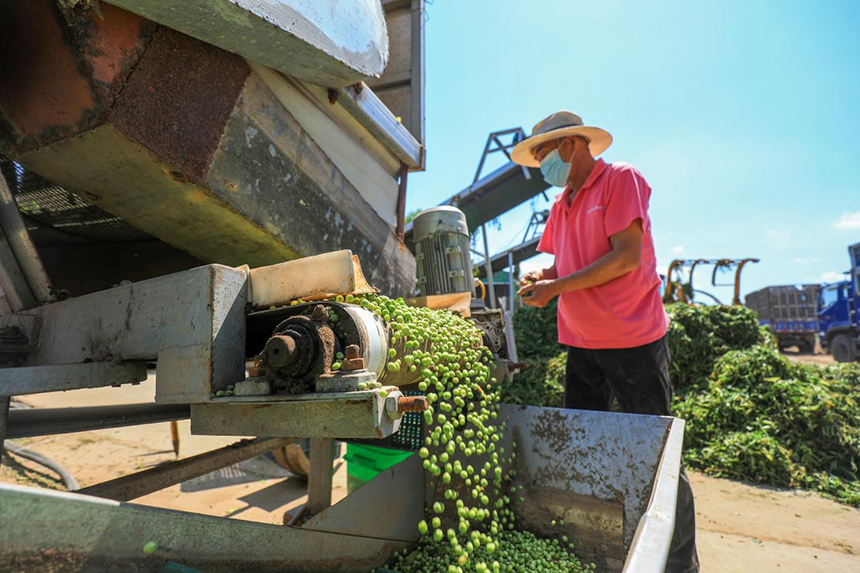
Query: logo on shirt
[595,208]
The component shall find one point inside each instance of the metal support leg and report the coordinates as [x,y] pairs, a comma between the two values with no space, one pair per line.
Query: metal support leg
[319,480]
[4,417]
[511,282]
[489,268]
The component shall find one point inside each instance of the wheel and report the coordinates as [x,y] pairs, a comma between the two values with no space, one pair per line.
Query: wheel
[292,457]
[843,348]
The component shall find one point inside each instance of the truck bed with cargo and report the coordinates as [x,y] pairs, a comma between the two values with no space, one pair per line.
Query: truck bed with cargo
[791,313]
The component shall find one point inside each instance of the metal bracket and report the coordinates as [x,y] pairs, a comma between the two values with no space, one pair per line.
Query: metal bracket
[333,415]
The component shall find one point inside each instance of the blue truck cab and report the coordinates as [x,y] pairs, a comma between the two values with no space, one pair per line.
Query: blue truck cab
[839,313]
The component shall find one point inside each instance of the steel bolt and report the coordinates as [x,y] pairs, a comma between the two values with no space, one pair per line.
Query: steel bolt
[353,359]
[412,404]
[255,370]
[281,351]
[397,405]
[319,313]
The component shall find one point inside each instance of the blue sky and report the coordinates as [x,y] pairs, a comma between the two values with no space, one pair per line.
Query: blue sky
[743,116]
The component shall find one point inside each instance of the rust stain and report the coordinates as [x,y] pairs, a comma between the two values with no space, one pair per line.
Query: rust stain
[44,95]
[111,46]
[178,99]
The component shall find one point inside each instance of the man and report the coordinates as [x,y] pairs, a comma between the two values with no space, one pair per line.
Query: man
[610,313]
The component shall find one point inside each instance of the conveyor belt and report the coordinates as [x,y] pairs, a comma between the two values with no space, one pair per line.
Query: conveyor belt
[521,252]
[495,194]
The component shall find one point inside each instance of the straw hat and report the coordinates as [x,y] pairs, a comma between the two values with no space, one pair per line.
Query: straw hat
[558,125]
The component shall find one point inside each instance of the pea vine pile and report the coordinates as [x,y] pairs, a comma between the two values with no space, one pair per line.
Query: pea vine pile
[752,414]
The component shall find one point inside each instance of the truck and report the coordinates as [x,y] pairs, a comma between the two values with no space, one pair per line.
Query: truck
[790,312]
[839,313]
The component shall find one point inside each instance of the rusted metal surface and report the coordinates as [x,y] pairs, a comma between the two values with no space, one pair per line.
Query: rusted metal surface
[313,350]
[173,136]
[412,404]
[59,531]
[110,43]
[45,94]
[178,99]
[142,483]
[281,351]
[353,360]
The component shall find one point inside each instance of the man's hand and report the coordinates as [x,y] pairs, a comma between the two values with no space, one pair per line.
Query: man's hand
[531,277]
[538,294]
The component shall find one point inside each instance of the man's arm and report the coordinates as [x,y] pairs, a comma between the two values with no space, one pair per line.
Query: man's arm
[625,256]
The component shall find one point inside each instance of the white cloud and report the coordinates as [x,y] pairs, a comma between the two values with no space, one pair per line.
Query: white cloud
[806,260]
[847,221]
[778,238]
[831,277]
[678,249]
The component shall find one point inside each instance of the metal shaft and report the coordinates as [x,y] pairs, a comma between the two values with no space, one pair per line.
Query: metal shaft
[22,246]
[489,267]
[281,350]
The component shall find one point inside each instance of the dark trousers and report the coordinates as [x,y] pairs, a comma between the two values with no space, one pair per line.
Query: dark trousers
[638,379]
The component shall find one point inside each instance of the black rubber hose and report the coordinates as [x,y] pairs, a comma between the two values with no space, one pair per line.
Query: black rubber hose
[15,448]
[68,479]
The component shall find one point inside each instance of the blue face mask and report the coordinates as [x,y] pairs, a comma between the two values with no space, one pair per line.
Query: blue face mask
[555,171]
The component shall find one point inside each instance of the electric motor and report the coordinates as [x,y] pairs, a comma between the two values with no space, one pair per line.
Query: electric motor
[442,251]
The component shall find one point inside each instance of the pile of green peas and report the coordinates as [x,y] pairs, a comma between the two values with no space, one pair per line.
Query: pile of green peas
[461,453]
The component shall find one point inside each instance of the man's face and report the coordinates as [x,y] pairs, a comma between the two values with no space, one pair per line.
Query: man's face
[565,146]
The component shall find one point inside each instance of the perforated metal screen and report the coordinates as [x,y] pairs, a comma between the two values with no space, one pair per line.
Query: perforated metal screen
[46,205]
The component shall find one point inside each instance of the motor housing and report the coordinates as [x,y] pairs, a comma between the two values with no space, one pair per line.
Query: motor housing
[442,259]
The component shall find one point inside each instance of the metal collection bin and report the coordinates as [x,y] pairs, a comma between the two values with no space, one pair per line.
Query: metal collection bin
[612,478]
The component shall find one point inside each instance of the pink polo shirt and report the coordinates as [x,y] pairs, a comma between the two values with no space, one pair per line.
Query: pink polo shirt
[627,311]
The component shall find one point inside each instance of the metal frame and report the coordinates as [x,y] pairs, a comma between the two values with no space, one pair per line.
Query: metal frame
[101,534]
[649,550]
[493,145]
[142,483]
[415,79]
[676,265]
[192,323]
[360,414]
[31,422]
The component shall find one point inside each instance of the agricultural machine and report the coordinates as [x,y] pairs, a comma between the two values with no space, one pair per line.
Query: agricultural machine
[175,177]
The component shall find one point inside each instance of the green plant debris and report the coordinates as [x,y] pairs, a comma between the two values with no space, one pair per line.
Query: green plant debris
[537,345]
[751,414]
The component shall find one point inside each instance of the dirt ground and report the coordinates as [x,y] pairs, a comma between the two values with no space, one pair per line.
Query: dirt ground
[793,353]
[741,528]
